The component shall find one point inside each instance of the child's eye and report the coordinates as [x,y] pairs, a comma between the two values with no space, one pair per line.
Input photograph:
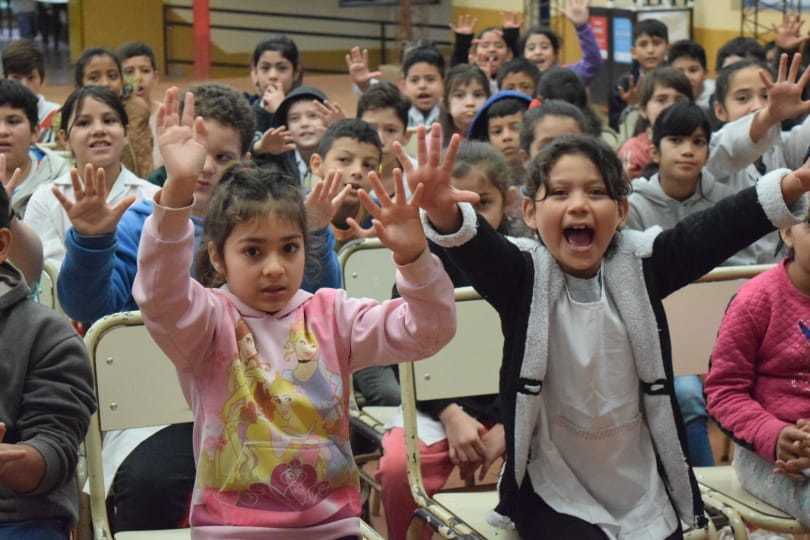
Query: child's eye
[291,248]
[598,192]
[251,251]
[113,75]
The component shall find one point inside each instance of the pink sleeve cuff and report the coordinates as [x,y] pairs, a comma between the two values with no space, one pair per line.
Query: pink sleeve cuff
[422,271]
[172,224]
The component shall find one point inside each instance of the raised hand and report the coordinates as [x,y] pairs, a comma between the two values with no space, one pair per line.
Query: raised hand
[357,63]
[275,141]
[90,213]
[788,34]
[396,222]
[511,19]
[272,98]
[329,111]
[576,11]
[182,143]
[439,197]
[632,95]
[324,200]
[785,95]
[464,25]
[12,183]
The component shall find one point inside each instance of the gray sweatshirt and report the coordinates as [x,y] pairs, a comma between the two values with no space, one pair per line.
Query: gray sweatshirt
[650,206]
[46,399]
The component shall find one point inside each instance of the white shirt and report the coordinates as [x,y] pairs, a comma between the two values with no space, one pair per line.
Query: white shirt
[417,118]
[50,221]
[592,456]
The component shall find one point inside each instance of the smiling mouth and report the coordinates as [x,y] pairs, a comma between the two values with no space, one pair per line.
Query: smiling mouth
[100,144]
[579,237]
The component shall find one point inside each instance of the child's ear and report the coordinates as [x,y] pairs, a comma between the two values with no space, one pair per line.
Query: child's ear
[633,53]
[720,111]
[315,164]
[529,212]
[655,154]
[401,85]
[254,79]
[215,259]
[61,138]
[406,138]
[624,210]
[787,236]
[511,197]
[5,244]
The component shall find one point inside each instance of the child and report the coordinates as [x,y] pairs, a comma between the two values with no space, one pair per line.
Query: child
[46,400]
[498,122]
[473,434]
[543,124]
[756,388]
[422,83]
[661,88]
[490,49]
[94,125]
[689,57]
[577,407]
[739,48]
[519,75]
[563,84]
[279,358]
[18,121]
[96,279]
[275,69]
[101,67]
[353,149]
[24,62]
[140,71]
[466,89]
[541,45]
[386,110]
[649,50]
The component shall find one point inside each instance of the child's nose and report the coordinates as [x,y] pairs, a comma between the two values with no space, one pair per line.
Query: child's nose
[273,267]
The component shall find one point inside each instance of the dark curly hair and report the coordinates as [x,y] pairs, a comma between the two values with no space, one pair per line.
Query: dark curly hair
[228,107]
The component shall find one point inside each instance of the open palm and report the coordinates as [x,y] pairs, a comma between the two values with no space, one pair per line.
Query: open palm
[785,95]
[90,213]
[182,140]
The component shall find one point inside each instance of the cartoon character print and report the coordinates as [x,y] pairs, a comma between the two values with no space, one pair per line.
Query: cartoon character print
[275,450]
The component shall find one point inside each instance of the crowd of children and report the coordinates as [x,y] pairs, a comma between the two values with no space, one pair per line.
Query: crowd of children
[219,214]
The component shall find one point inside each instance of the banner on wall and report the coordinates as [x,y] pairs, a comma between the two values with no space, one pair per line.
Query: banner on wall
[677,23]
[599,25]
[622,40]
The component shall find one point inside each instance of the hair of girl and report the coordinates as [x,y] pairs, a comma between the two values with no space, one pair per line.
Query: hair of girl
[667,77]
[75,103]
[724,77]
[488,159]
[552,36]
[459,75]
[551,107]
[288,50]
[591,148]
[745,47]
[84,59]
[680,120]
[247,192]
[563,84]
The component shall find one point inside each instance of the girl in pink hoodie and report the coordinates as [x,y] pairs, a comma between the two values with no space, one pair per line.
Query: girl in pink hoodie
[265,365]
[758,387]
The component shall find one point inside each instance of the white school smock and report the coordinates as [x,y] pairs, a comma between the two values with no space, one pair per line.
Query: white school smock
[592,456]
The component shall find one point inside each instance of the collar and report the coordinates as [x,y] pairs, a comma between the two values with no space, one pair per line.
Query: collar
[298,299]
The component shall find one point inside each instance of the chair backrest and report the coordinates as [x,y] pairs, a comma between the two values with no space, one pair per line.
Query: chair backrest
[694,314]
[136,384]
[368,269]
[47,287]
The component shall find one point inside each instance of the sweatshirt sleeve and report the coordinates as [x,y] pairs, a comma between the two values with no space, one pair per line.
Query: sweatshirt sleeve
[96,276]
[730,382]
[325,272]
[415,326]
[56,402]
[461,49]
[40,217]
[702,241]
[732,148]
[496,267]
[512,38]
[795,144]
[588,67]
[180,314]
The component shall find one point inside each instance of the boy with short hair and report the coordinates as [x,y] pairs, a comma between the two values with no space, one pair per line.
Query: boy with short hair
[740,48]
[552,119]
[499,122]
[96,279]
[352,148]
[650,44]
[519,75]
[689,57]
[46,400]
[140,70]
[423,84]
[24,62]
[18,121]
[386,110]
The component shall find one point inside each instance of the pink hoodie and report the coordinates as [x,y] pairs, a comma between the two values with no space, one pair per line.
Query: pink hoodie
[270,392]
[759,381]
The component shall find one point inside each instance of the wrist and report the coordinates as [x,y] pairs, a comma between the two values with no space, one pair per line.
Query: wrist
[175,193]
[445,220]
[408,256]
[450,412]
[792,188]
